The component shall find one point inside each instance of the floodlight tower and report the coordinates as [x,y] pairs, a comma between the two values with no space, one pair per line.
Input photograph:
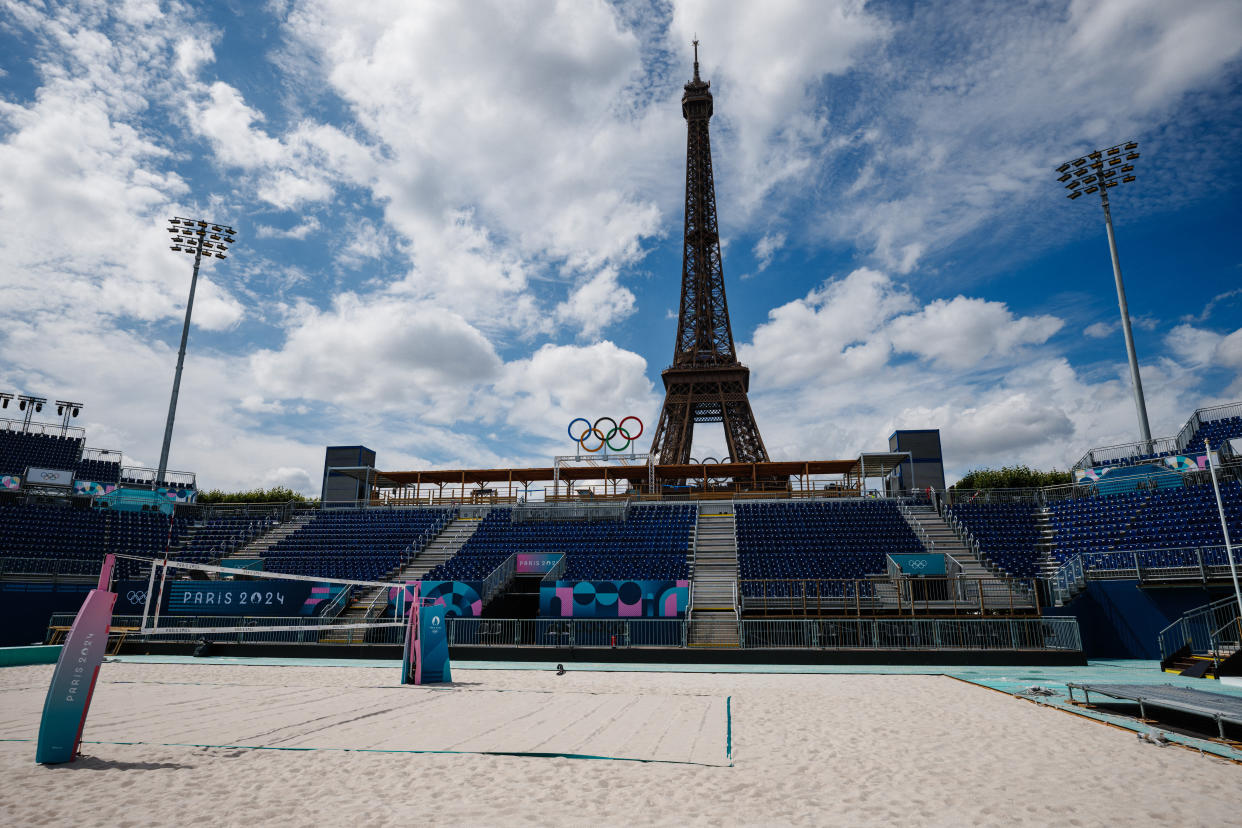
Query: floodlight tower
[1099,172]
[30,406]
[199,239]
[67,409]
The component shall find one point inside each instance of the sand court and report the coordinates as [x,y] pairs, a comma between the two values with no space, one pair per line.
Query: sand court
[808,749]
[463,718]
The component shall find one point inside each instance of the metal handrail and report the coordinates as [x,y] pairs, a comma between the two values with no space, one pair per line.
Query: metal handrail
[1193,622]
[498,577]
[1177,442]
[338,603]
[53,429]
[916,525]
[877,595]
[1055,633]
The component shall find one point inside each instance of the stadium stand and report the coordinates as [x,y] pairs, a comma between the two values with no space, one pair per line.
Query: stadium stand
[98,471]
[209,540]
[55,539]
[1219,424]
[650,543]
[1218,431]
[1163,527]
[832,539]
[360,545]
[19,449]
[1007,534]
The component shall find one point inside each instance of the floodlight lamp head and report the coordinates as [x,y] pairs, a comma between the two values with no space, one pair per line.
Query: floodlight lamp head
[1063,167]
[77,410]
[1075,194]
[1128,179]
[1078,162]
[1065,178]
[39,407]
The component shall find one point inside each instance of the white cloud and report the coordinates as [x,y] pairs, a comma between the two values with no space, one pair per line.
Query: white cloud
[494,173]
[832,376]
[597,303]
[767,247]
[764,62]
[1011,88]
[380,351]
[308,225]
[192,55]
[961,332]
[557,383]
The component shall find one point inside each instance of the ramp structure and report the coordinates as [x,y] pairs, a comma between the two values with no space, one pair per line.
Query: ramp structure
[1218,707]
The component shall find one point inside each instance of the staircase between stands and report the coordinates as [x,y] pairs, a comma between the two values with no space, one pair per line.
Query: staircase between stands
[931,527]
[259,545]
[366,605]
[713,610]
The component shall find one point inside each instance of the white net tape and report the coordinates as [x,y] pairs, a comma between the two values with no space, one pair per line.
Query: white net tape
[160,568]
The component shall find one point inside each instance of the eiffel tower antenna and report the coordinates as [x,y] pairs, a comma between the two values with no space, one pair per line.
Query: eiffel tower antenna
[705,383]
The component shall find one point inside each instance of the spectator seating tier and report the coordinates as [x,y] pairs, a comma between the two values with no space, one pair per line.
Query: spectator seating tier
[651,543]
[843,539]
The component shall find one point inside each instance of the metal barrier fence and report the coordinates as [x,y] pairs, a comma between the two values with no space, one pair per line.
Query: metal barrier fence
[566,632]
[462,632]
[1194,563]
[1048,633]
[77,568]
[866,596]
[1204,629]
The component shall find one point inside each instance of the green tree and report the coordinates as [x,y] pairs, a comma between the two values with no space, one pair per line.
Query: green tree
[279,494]
[1012,477]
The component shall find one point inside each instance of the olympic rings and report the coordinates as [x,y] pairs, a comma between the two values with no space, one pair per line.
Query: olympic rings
[605,434]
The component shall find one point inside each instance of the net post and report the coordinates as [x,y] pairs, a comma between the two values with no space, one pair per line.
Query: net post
[147,603]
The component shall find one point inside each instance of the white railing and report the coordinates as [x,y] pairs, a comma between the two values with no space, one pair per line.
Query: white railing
[1068,580]
[103,455]
[147,477]
[1160,445]
[338,603]
[916,525]
[499,577]
[53,429]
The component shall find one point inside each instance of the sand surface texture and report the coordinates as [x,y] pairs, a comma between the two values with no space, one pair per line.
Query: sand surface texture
[807,749]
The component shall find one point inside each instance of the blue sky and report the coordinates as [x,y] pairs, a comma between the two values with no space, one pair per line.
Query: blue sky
[459,224]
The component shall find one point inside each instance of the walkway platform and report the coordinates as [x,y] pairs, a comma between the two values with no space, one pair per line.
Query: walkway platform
[1215,706]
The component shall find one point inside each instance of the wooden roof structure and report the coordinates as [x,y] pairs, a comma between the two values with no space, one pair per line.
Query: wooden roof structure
[854,471]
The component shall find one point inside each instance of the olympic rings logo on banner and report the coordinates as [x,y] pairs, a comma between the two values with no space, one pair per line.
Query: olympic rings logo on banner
[605,435]
[136,597]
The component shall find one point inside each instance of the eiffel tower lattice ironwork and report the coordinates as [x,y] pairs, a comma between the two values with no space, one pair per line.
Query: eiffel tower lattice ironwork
[705,383]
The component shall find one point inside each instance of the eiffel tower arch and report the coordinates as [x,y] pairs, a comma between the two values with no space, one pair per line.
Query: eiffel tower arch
[705,383]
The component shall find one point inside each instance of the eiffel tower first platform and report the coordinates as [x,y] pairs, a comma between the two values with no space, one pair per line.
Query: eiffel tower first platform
[705,383]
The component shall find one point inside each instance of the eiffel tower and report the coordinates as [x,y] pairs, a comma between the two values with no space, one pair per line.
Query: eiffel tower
[705,383]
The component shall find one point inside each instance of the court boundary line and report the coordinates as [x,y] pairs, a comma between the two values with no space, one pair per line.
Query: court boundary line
[514,753]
